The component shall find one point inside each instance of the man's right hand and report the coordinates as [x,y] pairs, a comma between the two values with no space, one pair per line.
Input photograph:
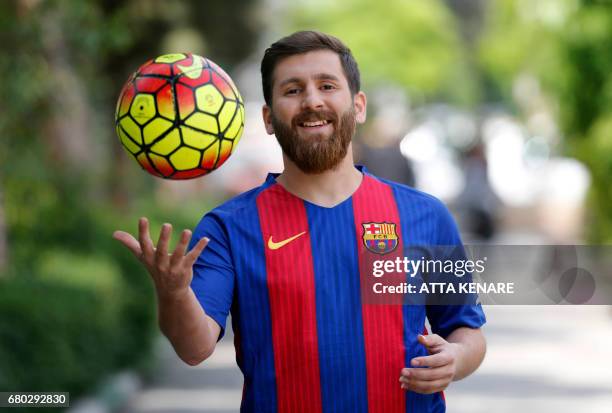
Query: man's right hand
[192,332]
[171,273]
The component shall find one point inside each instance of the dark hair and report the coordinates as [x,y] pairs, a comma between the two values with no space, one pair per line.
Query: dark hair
[303,42]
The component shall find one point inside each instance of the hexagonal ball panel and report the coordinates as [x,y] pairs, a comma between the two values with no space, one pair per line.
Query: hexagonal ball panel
[185,158]
[168,143]
[209,99]
[143,108]
[204,122]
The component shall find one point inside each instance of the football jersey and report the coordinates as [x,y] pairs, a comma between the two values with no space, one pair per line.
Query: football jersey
[291,274]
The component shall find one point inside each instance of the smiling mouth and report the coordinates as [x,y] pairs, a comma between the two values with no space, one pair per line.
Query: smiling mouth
[314,124]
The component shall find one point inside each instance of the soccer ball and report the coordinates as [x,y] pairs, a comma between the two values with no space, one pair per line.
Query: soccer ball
[180,116]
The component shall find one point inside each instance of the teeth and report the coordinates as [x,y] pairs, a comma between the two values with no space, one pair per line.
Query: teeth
[317,123]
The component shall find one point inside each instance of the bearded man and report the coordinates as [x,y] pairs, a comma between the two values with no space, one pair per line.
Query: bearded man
[290,260]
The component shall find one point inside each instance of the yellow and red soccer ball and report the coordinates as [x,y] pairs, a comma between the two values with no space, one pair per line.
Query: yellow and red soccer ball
[180,116]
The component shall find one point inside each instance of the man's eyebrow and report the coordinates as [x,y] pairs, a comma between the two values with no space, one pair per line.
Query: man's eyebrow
[290,80]
[326,76]
[318,76]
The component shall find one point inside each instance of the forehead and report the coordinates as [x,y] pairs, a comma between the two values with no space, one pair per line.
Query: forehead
[309,65]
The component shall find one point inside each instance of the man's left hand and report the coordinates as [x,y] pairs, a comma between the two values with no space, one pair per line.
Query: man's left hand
[433,373]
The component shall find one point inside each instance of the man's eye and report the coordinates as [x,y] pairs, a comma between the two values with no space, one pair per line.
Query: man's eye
[328,87]
[292,91]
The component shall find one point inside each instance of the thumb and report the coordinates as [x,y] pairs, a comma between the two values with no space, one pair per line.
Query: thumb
[431,340]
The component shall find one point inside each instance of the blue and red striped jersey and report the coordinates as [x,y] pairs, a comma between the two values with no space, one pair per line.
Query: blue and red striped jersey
[291,274]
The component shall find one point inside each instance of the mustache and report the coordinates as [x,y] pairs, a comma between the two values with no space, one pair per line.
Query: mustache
[313,116]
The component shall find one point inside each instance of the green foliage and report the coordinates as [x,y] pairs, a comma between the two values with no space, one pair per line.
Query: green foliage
[586,94]
[518,38]
[594,149]
[55,337]
[79,315]
[87,272]
[567,46]
[75,305]
[412,44]
[586,105]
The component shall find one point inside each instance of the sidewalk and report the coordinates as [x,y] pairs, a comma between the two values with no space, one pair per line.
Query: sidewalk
[543,359]
[213,387]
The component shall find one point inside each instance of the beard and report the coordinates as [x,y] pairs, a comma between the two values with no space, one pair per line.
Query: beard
[316,154]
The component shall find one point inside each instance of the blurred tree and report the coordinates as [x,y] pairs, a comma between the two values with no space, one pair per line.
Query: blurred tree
[522,37]
[585,102]
[567,46]
[3,244]
[470,15]
[414,45]
[63,183]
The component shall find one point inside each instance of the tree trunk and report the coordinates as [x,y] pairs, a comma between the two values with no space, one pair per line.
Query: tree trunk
[69,131]
[3,237]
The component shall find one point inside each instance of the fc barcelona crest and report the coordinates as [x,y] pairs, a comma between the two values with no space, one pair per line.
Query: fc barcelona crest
[379,237]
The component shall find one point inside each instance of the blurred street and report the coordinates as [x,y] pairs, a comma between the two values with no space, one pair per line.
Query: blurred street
[215,386]
[539,358]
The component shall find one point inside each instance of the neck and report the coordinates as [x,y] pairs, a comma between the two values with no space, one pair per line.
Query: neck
[326,189]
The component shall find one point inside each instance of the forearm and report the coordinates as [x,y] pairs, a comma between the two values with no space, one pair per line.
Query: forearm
[471,346]
[183,321]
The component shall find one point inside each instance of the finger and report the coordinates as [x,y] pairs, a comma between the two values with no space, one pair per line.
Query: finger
[144,238]
[425,374]
[426,387]
[435,360]
[195,252]
[162,244]
[129,241]
[430,340]
[181,247]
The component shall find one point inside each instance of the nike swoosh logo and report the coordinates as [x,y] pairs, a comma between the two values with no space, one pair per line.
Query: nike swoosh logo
[276,245]
[194,70]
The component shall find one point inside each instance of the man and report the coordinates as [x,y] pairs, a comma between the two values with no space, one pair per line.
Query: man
[289,259]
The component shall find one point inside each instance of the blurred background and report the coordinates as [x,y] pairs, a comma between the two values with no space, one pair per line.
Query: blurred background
[501,108]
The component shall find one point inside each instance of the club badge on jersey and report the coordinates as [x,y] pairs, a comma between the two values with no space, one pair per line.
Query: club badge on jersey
[379,237]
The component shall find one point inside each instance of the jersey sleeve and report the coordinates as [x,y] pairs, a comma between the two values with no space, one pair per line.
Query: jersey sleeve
[213,272]
[444,319]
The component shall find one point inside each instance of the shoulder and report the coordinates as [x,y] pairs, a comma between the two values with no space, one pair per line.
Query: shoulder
[235,206]
[427,208]
[238,203]
[407,194]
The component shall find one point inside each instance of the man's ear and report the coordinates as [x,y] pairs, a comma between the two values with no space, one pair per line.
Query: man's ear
[267,118]
[360,101]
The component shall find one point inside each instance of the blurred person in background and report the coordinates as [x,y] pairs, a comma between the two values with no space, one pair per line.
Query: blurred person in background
[287,259]
[378,150]
[477,203]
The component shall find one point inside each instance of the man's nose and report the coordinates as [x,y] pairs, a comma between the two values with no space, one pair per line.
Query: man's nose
[312,99]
